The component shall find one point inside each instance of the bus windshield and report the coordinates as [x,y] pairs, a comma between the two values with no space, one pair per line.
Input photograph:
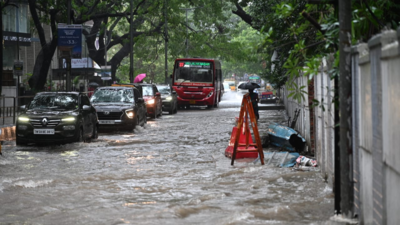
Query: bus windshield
[193,71]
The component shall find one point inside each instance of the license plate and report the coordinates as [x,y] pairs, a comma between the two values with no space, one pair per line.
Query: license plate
[44,131]
[192,102]
[106,122]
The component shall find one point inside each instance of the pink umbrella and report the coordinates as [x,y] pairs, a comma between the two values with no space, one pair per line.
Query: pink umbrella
[139,78]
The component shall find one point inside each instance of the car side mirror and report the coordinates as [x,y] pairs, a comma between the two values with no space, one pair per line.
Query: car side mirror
[140,100]
[22,107]
[86,107]
[158,94]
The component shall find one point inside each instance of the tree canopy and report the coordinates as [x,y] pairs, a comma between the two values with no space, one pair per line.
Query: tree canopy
[299,33]
[277,39]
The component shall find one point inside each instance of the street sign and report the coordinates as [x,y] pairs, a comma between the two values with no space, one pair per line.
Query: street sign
[106,72]
[18,67]
[70,37]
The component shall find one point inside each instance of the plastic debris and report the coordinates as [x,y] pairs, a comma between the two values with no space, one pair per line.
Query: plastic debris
[304,161]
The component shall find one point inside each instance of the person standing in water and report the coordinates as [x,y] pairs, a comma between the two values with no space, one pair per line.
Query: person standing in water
[254,100]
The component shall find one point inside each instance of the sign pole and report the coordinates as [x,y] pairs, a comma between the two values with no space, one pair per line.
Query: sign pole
[68,59]
[17,85]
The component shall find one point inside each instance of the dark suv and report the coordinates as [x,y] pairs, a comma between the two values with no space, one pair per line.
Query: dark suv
[119,107]
[169,99]
[57,117]
[152,98]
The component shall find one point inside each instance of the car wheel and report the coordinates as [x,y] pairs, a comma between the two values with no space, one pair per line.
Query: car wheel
[175,110]
[135,123]
[95,134]
[18,141]
[155,112]
[144,121]
[79,137]
[131,127]
[160,114]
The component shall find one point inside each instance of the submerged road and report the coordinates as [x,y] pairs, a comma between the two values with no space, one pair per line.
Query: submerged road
[172,171]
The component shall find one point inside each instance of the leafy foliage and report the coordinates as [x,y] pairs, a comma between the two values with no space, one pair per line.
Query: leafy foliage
[298,35]
[275,39]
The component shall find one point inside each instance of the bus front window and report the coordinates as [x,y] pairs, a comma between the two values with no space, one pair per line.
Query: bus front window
[193,71]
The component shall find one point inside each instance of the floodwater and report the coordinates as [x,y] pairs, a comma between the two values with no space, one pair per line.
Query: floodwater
[172,171]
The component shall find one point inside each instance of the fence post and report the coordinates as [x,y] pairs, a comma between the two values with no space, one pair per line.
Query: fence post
[375,44]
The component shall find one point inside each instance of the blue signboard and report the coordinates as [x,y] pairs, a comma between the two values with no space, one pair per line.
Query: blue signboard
[70,37]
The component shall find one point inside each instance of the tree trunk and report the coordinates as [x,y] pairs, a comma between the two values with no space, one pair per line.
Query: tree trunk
[117,59]
[43,60]
[346,192]
[42,65]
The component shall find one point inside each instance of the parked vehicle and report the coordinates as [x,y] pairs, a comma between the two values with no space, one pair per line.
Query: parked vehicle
[57,117]
[152,98]
[197,82]
[169,99]
[119,107]
[267,97]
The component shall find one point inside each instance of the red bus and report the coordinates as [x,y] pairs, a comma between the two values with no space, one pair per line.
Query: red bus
[197,82]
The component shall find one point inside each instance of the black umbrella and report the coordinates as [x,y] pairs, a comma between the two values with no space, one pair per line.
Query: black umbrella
[93,84]
[249,85]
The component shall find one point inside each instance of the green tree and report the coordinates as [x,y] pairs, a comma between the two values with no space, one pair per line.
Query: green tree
[104,14]
[299,34]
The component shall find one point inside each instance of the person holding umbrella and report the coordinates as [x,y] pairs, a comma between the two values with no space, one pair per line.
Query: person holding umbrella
[253,96]
[254,101]
[139,78]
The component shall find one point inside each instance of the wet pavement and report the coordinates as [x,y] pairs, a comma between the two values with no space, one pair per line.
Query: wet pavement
[172,171]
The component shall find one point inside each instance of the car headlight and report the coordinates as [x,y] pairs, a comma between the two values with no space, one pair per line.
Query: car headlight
[23,119]
[210,94]
[151,101]
[130,114]
[169,98]
[68,119]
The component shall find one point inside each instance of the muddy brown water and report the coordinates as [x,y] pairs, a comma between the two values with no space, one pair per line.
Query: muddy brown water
[172,171]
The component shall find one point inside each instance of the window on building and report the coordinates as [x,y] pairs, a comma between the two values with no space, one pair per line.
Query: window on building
[9,55]
[16,19]
[9,18]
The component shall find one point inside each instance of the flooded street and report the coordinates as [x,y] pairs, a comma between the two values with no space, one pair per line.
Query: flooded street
[172,171]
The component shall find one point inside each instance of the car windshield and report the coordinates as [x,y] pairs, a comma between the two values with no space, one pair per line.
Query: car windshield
[54,102]
[164,90]
[147,91]
[112,95]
